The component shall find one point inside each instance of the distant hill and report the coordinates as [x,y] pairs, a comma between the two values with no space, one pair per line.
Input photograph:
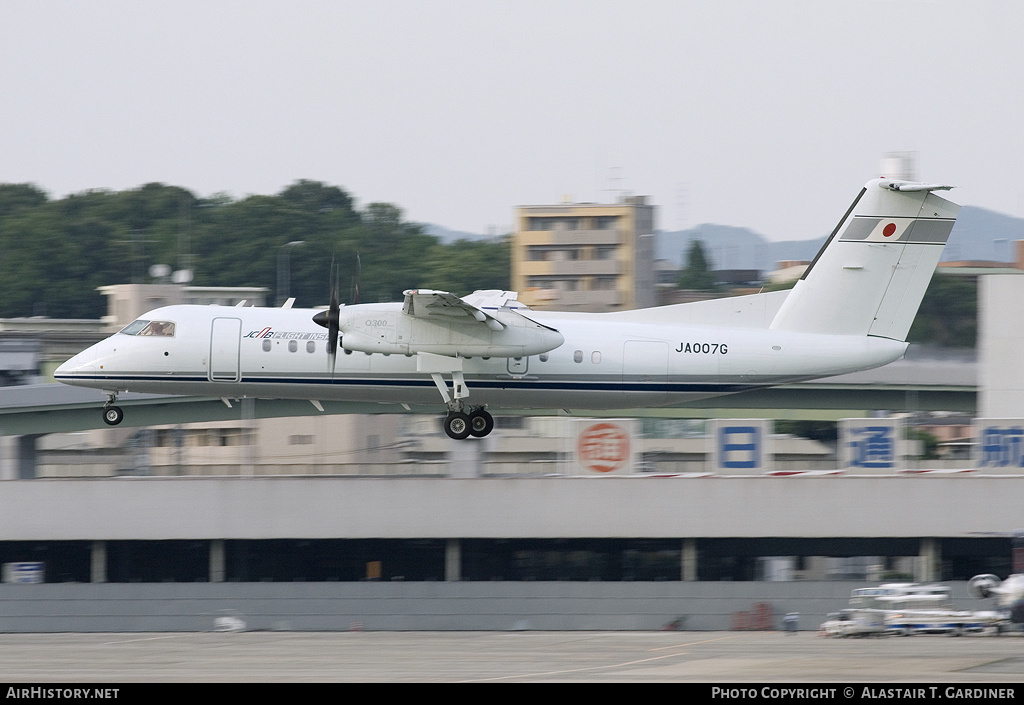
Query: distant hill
[447,236]
[983,234]
[979,234]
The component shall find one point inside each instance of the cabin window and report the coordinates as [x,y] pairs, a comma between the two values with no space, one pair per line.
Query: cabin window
[292,346]
[577,356]
[310,346]
[543,357]
[163,329]
[595,357]
[266,345]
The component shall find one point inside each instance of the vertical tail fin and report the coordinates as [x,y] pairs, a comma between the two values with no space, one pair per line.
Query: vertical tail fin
[871,274]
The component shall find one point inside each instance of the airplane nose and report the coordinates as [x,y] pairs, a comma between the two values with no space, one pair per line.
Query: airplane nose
[80,364]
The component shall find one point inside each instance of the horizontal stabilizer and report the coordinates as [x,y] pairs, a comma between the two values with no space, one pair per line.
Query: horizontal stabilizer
[909,186]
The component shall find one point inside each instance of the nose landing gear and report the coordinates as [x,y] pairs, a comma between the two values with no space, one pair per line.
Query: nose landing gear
[112,415]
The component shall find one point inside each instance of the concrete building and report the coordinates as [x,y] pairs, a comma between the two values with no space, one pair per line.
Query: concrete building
[585,256]
[1001,378]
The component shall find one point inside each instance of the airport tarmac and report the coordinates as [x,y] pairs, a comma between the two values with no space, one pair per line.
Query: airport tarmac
[496,657]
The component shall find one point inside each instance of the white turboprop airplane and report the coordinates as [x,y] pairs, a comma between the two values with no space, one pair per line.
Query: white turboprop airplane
[851,311]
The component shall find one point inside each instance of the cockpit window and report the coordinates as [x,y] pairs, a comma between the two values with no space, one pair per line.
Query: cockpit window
[163,329]
[134,327]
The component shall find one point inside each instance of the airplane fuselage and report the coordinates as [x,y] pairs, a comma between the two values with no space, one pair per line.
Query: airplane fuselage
[605,362]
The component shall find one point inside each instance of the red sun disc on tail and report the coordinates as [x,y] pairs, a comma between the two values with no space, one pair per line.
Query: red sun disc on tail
[889,230]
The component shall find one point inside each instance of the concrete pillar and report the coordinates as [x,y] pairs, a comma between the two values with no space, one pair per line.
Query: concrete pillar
[689,560]
[1000,336]
[98,562]
[466,457]
[27,456]
[8,457]
[248,405]
[453,560]
[929,560]
[217,560]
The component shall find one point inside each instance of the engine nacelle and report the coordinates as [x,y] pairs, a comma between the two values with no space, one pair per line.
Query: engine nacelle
[982,585]
[393,332]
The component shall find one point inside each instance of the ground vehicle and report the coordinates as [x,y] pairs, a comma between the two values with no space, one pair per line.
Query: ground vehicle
[904,609]
[854,622]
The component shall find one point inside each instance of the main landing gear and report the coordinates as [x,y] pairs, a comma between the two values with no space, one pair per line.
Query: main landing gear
[458,424]
[112,415]
[477,423]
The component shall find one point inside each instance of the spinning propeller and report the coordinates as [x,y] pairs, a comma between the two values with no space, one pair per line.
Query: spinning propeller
[330,319]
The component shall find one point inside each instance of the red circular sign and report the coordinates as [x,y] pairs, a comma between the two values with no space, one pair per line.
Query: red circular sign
[889,229]
[603,447]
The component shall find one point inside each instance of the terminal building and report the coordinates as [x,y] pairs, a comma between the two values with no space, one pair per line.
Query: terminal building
[331,521]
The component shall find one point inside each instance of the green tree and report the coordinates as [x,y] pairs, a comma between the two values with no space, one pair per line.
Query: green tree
[317,198]
[823,431]
[697,273]
[949,313]
[14,197]
[929,442]
[56,253]
[392,253]
[465,266]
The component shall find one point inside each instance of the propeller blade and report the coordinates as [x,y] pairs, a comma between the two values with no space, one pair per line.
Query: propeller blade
[330,319]
[355,281]
[332,344]
[335,309]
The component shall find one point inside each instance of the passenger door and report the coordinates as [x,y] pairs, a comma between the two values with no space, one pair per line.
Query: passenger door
[225,342]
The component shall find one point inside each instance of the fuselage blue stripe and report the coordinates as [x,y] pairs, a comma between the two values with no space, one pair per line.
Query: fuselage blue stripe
[412,383]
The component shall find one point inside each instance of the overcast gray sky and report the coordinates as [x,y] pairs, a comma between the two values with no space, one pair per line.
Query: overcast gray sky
[768,115]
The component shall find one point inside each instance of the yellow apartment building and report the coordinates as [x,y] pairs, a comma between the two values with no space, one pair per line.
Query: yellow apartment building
[585,256]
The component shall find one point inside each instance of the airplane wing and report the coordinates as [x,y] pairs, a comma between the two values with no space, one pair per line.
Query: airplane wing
[428,303]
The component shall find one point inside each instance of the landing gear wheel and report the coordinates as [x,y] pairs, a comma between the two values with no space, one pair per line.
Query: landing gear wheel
[456,425]
[112,415]
[480,423]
